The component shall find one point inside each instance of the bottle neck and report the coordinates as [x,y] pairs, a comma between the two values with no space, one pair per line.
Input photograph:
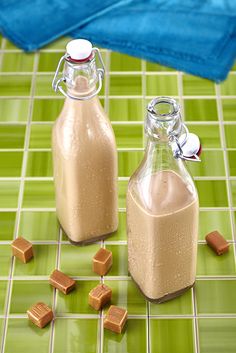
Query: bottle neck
[81,78]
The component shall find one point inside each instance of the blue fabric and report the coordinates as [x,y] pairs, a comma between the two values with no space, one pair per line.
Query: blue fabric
[197,36]
[31,24]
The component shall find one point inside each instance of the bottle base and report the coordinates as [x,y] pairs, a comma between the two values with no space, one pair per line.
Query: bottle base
[166,297]
[88,241]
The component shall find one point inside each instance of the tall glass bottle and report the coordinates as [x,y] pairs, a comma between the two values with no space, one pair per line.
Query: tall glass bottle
[84,150]
[162,210]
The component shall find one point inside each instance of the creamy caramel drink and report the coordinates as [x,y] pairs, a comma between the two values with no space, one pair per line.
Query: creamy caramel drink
[162,213]
[84,153]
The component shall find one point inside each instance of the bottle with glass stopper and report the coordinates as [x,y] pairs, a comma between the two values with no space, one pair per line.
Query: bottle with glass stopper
[84,149]
[162,207]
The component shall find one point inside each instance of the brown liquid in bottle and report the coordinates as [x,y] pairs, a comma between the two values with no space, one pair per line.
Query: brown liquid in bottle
[85,169]
[162,236]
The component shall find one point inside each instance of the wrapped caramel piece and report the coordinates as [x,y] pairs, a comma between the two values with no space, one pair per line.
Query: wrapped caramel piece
[115,319]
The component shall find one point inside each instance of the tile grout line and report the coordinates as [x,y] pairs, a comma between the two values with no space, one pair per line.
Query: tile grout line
[195,322]
[55,293]
[148,338]
[20,200]
[226,164]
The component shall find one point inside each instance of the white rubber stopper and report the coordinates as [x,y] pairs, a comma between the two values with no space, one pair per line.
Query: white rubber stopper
[79,49]
[192,145]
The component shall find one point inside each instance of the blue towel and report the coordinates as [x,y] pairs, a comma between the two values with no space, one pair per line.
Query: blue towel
[31,24]
[197,36]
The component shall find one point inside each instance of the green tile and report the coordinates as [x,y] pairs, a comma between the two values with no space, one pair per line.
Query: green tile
[9,194]
[228,87]
[126,295]
[130,136]
[208,134]
[77,301]
[23,336]
[42,264]
[215,220]
[77,261]
[209,264]
[76,336]
[9,45]
[200,110]
[172,336]
[193,85]
[179,306]
[38,194]
[232,162]
[39,164]
[47,109]
[14,109]
[130,85]
[7,225]
[58,44]
[216,296]
[120,234]
[233,68]
[217,335]
[212,164]
[122,188]
[125,109]
[151,66]
[161,85]
[48,61]
[3,292]
[128,162]
[212,193]
[132,339]
[11,163]
[39,226]
[5,259]
[43,86]
[230,133]
[15,85]
[1,328]
[233,191]
[37,291]
[12,136]
[120,260]
[229,109]
[17,62]
[122,62]
[40,136]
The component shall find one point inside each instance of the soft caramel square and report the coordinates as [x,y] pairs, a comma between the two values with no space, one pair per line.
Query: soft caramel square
[99,296]
[217,242]
[40,314]
[22,249]
[115,319]
[62,282]
[102,261]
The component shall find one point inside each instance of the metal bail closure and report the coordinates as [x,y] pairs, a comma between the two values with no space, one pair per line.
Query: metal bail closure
[56,83]
[187,147]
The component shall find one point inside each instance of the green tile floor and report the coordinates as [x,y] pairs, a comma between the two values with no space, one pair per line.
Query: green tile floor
[203,320]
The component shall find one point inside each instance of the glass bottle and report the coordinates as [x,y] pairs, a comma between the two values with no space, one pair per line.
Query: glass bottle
[162,209]
[84,150]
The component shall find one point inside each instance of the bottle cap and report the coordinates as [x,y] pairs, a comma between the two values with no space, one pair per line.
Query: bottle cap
[192,146]
[79,49]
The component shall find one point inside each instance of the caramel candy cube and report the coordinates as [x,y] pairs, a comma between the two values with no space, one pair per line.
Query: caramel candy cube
[62,282]
[102,261]
[217,242]
[22,249]
[115,319]
[99,296]
[40,314]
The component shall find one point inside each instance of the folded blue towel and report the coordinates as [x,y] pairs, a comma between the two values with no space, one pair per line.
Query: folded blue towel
[193,37]
[31,24]
[198,36]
